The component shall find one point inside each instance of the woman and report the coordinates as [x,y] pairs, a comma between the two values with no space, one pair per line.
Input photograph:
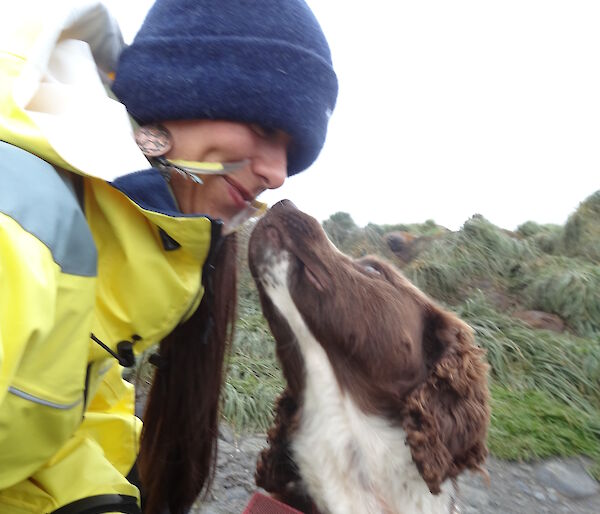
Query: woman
[108,246]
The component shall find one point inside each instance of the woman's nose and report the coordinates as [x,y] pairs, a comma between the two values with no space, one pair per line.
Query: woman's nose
[271,162]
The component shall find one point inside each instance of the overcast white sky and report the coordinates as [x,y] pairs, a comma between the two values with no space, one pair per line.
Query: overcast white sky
[450,108]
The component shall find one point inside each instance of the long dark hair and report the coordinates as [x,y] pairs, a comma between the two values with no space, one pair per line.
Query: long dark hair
[177,456]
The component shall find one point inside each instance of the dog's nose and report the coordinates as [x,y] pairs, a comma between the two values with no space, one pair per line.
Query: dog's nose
[285,204]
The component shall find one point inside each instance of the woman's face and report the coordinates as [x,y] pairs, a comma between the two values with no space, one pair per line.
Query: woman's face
[224,196]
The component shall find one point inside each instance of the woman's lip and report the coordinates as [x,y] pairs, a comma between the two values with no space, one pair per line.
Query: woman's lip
[245,194]
[240,194]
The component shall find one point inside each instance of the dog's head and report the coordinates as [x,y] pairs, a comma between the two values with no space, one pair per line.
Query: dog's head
[396,352]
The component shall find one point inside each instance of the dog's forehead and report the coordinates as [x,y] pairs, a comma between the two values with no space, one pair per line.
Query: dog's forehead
[286,215]
[290,234]
[299,226]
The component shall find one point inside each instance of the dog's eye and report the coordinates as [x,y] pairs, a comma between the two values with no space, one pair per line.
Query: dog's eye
[370,269]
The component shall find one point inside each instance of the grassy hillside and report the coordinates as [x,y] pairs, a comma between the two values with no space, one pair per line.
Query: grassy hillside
[545,384]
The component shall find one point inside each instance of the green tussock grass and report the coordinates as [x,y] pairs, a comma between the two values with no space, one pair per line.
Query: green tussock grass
[250,393]
[429,228]
[254,379]
[547,238]
[569,287]
[481,248]
[478,250]
[565,367]
[356,241]
[531,229]
[582,231]
[545,387]
[436,277]
[530,424]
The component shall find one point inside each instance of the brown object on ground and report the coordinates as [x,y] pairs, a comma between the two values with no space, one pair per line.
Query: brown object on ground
[542,320]
[262,504]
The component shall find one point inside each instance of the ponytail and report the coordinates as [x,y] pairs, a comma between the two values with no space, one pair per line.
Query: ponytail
[177,457]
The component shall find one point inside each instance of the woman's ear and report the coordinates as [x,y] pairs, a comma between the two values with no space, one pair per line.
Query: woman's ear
[447,416]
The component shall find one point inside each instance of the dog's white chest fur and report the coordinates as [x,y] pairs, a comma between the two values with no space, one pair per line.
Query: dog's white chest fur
[351,462]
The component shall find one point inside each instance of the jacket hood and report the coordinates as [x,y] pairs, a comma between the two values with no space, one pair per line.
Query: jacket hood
[53,102]
[55,60]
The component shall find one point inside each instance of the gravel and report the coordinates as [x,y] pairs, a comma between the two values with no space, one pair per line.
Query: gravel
[551,486]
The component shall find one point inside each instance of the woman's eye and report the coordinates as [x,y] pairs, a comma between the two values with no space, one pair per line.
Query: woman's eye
[261,131]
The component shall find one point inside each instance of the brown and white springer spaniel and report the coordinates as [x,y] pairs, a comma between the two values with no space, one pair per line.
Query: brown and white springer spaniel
[386,399]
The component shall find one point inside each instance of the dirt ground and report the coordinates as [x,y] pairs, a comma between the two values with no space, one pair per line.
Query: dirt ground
[554,486]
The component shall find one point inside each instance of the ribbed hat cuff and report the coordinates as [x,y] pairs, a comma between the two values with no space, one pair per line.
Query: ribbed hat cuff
[255,80]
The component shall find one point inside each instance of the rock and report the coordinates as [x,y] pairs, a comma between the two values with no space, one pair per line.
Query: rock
[236,493]
[226,447]
[253,445]
[478,499]
[209,509]
[226,433]
[222,458]
[552,495]
[542,320]
[569,479]
[225,453]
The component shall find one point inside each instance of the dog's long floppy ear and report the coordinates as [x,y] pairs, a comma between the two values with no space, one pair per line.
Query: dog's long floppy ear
[447,416]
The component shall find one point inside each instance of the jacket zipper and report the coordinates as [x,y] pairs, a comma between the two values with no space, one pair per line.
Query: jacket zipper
[206,279]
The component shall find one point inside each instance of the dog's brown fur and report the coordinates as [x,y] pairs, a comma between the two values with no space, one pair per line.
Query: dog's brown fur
[393,350]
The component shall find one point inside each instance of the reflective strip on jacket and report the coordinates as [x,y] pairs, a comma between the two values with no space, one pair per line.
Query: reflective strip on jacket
[115,261]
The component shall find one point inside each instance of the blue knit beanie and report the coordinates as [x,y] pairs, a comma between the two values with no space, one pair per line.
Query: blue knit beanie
[254,61]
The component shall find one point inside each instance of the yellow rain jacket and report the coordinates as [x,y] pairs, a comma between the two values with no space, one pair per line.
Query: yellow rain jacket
[105,254]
